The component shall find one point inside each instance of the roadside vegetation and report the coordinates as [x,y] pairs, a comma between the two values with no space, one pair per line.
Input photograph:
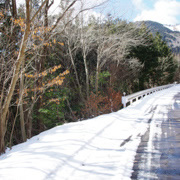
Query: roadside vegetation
[63,68]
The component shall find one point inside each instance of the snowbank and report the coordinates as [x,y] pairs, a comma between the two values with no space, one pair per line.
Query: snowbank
[100,148]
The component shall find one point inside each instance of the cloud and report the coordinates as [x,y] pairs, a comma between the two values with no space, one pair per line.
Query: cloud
[163,11]
[138,4]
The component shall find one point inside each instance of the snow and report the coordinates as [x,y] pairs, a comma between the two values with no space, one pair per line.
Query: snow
[173,27]
[100,148]
[151,160]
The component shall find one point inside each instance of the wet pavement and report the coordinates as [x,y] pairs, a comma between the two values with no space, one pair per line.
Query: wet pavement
[158,154]
[170,150]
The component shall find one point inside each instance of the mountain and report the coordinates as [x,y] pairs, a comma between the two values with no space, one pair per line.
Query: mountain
[170,34]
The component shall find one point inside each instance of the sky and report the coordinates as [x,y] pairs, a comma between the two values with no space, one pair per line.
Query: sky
[162,11]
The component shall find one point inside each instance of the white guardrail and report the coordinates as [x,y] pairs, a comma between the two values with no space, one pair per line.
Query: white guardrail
[139,95]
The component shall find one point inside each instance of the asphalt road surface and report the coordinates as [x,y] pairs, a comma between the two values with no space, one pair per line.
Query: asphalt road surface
[158,155]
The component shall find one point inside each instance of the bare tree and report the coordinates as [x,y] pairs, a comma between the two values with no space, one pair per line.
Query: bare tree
[71,36]
[20,59]
[86,43]
[17,66]
[30,18]
[114,47]
[78,36]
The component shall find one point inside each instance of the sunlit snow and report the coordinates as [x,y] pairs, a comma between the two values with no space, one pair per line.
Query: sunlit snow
[100,148]
[173,27]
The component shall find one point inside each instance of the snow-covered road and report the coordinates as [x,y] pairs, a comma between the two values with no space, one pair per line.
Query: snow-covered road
[158,155]
[100,148]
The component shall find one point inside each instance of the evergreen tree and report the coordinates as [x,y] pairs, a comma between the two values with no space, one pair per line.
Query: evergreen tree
[157,59]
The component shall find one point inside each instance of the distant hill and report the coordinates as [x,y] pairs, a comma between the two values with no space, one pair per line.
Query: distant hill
[170,34]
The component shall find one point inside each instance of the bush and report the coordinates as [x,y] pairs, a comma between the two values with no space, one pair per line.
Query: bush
[98,104]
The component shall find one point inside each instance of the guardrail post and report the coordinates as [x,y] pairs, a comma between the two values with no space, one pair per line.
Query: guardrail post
[124,100]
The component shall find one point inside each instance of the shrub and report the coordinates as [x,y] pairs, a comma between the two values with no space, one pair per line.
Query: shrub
[98,104]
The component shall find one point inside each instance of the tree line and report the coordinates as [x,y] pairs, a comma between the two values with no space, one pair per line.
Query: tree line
[61,68]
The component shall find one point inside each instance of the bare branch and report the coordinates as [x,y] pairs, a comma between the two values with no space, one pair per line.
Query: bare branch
[37,12]
[59,19]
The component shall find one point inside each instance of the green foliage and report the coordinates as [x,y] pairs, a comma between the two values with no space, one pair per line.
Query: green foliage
[103,77]
[52,115]
[157,60]
[167,35]
[52,111]
[45,111]
[69,101]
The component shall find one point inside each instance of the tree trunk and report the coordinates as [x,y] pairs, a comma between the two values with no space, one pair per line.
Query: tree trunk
[20,58]
[14,9]
[87,74]
[75,71]
[97,77]
[2,134]
[23,131]
[40,68]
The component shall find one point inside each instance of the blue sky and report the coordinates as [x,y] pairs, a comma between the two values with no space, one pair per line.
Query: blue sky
[162,11]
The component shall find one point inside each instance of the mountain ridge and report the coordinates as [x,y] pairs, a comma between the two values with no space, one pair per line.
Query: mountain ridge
[172,37]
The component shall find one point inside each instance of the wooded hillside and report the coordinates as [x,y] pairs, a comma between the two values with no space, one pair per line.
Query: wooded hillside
[62,68]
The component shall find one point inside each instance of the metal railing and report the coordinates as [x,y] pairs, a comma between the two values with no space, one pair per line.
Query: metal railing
[139,95]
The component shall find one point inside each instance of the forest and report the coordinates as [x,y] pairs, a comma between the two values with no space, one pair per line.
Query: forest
[61,68]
